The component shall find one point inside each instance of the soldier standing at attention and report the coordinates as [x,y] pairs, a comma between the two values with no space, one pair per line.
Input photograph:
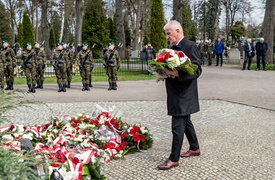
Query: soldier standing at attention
[59,66]
[85,60]
[8,58]
[111,62]
[202,51]
[209,51]
[29,66]
[41,65]
[68,56]
[2,75]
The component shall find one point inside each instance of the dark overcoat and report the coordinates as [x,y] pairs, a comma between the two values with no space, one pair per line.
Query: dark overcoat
[182,91]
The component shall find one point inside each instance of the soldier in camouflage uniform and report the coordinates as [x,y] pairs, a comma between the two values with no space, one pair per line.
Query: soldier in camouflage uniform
[59,64]
[85,62]
[68,56]
[111,62]
[2,75]
[29,65]
[41,65]
[8,59]
[202,51]
[209,51]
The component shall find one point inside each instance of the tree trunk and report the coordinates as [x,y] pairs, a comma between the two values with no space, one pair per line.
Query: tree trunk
[120,27]
[45,27]
[62,20]
[177,10]
[268,29]
[137,25]
[36,22]
[79,22]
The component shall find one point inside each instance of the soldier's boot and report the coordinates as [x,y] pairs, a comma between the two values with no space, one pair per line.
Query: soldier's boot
[38,85]
[41,85]
[60,88]
[114,86]
[64,88]
[84,87]
[33,88]
[2,88]
[11,86]
[69,84]
[8,86]
[87,87]
[30,88]
[90,83]
[110,86]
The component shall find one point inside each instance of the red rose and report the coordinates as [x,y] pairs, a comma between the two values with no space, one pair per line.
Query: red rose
[74,125]
[58,127]
[75,160]
[77,121]
[47,126]
[142,138]
[136,137]
[86,120]
[24,127]
[54,123]
[72,120]
[137,129]
[123,135]
[12,127]
[181,54]
[123,145]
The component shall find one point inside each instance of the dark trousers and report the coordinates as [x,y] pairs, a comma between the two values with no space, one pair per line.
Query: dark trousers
[259,56]
[182,125]
[247,59]
[219,56]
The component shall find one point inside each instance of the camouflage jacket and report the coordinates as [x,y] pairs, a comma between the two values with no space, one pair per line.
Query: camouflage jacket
[68,56]
[27,59]
[57,56]
[114,61]
[8,56]
[85,58]
[202,48]
[40,56]
[209,47]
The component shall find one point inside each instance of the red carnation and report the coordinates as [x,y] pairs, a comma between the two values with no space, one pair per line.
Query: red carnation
[12,127]
[86,120]
[47,126]
[137,129]
[75,160]
[142,138]
[77,121]
[123,135]
[74,125]
[24,127]
[136,137]
[123,145]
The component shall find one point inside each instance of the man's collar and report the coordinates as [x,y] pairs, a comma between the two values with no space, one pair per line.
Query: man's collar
[179,41]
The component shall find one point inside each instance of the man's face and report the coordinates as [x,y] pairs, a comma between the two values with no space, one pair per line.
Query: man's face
[84,47]
[209,40]
[111,47]
[29,47]
[60,47]
[5,44]
[219,40]
[172,35]
[261,40]
[64,46]
[37,45]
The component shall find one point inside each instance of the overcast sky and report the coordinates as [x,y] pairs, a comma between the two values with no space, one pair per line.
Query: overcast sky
[256,16]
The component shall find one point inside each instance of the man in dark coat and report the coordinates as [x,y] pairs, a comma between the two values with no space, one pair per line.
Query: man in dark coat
[182,96]
[261,48]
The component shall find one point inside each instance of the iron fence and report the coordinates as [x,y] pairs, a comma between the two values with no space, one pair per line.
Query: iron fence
[126,65]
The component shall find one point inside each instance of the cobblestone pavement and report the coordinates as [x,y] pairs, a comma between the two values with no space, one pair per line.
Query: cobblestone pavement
[235,126]
[237,141]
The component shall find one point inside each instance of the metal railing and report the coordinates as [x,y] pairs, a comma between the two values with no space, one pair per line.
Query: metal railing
[132,65]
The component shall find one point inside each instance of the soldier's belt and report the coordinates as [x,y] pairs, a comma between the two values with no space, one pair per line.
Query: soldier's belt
[61,61]
[111,60]
[8,60]
[28,62]
[87,62]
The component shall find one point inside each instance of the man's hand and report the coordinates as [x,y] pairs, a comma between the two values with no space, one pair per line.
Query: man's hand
[170,72]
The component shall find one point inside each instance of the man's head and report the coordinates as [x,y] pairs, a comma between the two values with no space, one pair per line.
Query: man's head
[149,45]
[5,43]
[249,41]
[59,46]
[28,46]
[36,45]
[209,40]
[219,39]
[64,44]
[173,31]
[111,45]
[84,46]
[261,40]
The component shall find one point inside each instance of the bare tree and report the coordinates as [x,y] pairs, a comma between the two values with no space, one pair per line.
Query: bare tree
[79,21]
[268,29]
[11,6]
[120,27]
[62,5]
[45,26]
[177,10]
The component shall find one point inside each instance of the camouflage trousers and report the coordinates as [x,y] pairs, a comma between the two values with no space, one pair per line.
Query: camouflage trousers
[111,72]
[30,73]
[40,73]
[86,74]
[69,73]
[1,75]
[9,74]
[60,74]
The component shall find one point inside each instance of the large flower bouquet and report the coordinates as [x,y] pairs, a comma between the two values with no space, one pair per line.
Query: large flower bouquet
[173,60]
[75,147]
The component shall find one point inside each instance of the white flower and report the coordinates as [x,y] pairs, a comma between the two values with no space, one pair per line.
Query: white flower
[82,126]
[7,138]
[143,130]
[55,131]
[28,136]
[20,128]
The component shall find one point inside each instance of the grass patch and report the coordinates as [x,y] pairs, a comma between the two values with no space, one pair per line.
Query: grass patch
[97,77]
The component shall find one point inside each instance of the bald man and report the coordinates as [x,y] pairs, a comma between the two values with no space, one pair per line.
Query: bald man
[261,48]
[182,96]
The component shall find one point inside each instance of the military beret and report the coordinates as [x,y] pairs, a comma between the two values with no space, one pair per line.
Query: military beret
[4,41]
[36,42]
[58,44]
[84,44]
[27,44]
[63,42]
[111,43]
